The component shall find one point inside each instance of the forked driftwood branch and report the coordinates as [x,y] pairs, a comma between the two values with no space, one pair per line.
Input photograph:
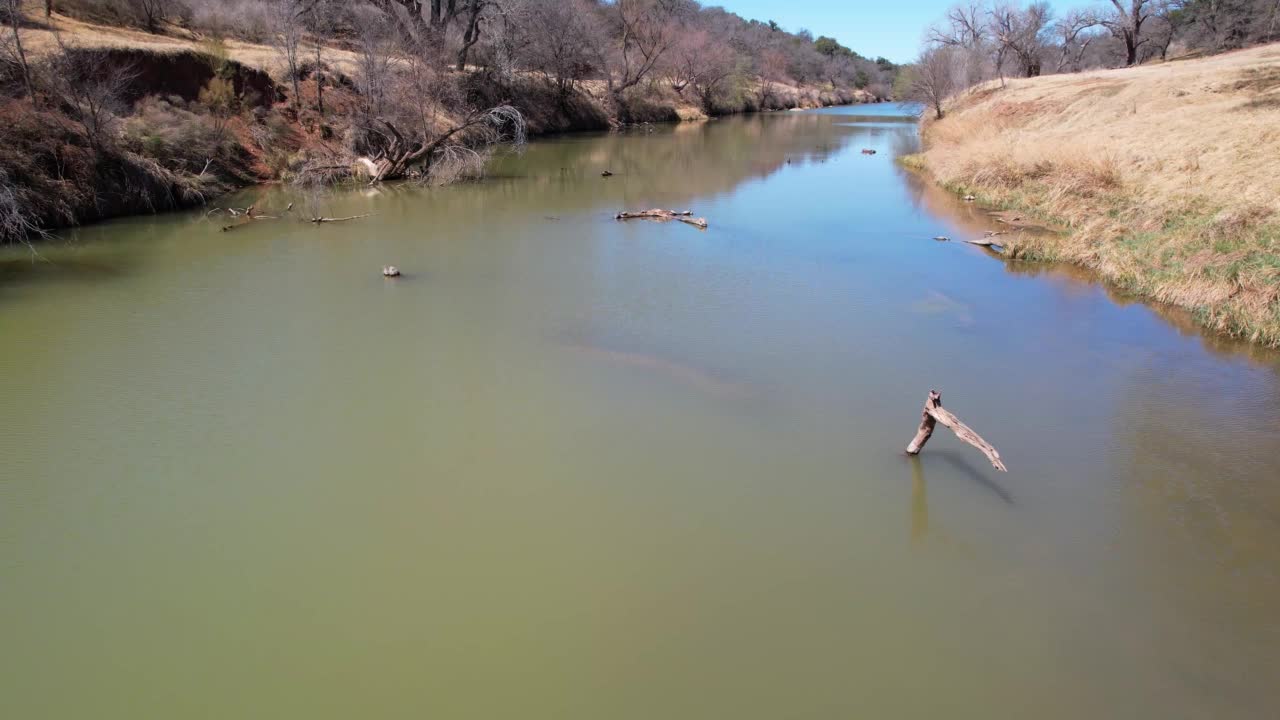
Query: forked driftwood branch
[665,215]
[933,414]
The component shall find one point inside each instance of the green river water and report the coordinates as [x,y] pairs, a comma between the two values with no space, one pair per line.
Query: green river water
[570,467]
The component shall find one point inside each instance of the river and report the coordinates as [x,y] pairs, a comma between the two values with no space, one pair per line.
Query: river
[571,467]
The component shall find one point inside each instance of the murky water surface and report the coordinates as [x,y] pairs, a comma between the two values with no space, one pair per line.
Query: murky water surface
[569,467]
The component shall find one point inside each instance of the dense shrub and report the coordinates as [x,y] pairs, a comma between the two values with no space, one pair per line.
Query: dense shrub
[179,138]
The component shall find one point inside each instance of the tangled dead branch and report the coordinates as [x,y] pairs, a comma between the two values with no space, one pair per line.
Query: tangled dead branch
[16,224]
[397,154]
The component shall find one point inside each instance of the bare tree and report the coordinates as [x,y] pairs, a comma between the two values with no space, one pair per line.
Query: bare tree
[644,30]
[287,31]
[933,78]
[684,62]
[1162,27]
[1225,24]
[423,18]
[965,27]
[772,70]
[321,20]
[559,42]
[1073,38]
[12,46]
[473,18]
[1019,34]
[91,86]
[507,42]
[375,44]
[152,12]
[719,64]
[409,12]
[1126,23]
[837,68]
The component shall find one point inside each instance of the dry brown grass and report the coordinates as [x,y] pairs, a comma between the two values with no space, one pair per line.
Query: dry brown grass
[41,40]
[1165,175]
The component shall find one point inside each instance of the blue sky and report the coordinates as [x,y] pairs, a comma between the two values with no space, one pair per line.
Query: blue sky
[892,28]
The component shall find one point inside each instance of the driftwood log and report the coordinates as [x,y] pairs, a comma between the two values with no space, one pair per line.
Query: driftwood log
[986,242]
[247,216]
[933,414]
[664,216]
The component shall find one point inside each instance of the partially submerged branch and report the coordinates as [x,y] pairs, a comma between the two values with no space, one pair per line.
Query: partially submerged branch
[986,242]
[319,220]
[246,215]
[399,153]
[664,216]
[934,413]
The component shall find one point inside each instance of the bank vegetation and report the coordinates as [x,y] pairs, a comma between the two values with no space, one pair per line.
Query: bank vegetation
[1143,132]
[110,107]
[1162,178]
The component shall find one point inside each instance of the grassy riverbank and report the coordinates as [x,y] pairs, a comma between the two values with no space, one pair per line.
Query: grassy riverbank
[1163,177]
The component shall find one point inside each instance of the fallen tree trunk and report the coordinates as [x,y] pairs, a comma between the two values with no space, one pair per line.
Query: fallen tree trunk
[933,414]
[664,216]
[399,153]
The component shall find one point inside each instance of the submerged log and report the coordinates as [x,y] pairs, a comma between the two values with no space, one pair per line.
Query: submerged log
[934,413]
[319,220]
[665,215]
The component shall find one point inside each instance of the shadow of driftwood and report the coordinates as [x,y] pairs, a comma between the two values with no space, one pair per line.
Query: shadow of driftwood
[961,464]
[681,372]
[658,363]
